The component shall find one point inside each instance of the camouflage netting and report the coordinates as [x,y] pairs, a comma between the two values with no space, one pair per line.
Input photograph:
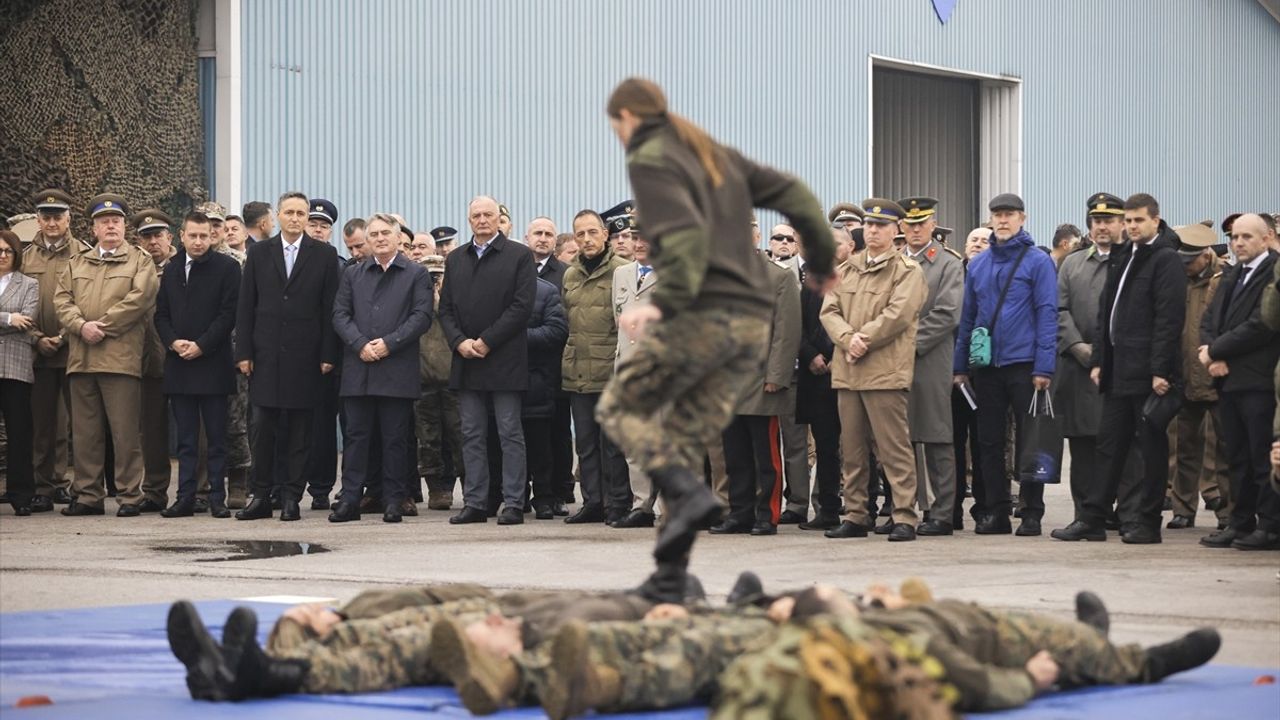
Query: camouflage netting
[100,96]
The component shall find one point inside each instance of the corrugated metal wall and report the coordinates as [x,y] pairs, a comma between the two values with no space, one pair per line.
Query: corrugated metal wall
[415,106]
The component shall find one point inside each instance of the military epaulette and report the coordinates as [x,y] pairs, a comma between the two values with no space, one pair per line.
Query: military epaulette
[953,252]
[908,262]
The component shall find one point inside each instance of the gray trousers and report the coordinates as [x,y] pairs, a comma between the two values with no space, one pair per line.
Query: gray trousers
[473,411]
[936,467]
[795,462]
[602,467]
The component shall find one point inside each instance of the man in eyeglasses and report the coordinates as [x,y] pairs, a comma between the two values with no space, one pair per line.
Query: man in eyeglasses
[782,243]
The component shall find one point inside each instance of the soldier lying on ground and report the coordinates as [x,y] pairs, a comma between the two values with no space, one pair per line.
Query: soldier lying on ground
[378,641]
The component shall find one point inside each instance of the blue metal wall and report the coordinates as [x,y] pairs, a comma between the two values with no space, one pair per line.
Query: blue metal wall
[415,106]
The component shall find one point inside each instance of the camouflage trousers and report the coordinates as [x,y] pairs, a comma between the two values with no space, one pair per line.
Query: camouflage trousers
[389,651]
[1084,656]
[663,663]
[677,391]
[238,455]
[437,424]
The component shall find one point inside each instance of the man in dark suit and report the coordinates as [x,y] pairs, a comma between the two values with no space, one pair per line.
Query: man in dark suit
[195,313]
[540,236]
[1137,358]
[484,309]
[284,344]
[1241,353]
[382,307]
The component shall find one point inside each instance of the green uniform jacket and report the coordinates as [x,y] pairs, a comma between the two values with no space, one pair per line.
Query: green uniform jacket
[435,357]
[962,636]
[587,363]
[699,231]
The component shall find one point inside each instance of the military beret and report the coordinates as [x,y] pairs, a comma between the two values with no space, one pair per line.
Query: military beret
[323,210]
[444,234]
[51,199]
[1006,201]
[107,204]
[620,217]
[213,210]
[844,212]
[1193,240]
[504,211]
[151,219]
[882,211]
[1104,204]
[918,209]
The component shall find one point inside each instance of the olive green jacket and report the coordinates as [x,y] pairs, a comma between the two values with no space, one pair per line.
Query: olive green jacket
[587,363]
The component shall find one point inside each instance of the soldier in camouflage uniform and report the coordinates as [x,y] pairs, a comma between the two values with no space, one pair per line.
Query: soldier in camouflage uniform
[436,410]
[709,316]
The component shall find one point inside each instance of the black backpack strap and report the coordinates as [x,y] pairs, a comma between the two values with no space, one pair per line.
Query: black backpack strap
[1000,303]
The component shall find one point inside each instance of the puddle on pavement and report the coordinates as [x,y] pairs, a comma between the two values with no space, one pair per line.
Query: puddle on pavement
[230,550]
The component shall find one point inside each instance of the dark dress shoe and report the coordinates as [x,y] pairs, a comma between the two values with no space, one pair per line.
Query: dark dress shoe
[257,509]
[370,504]
[345,512]
[1029,527]
[276,503]
[218,509]
[1258,540]
[289,510]
[764,528]
[586,514]
[731,527]
[409,508]
[320,503]
[821,522]
[1221,539]
[614,516]
[993,525]
[511,516]
[933,528]
[902,532]
[179,508]
[885,528]
[1080,530]
[151,506]
[469,515]
[201,505]
[1142,535]
[61,496]
[41,503]
[392,515]
[560,509]
[21,509]
[543,512]
[847,529]
[636,519]
[1181,522]
[790,517]
[76,509]
[128,510]
[1213,504]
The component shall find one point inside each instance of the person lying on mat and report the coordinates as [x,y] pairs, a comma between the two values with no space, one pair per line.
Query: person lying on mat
[378,641]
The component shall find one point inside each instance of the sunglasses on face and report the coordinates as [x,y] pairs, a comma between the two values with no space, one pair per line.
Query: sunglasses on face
[783,238]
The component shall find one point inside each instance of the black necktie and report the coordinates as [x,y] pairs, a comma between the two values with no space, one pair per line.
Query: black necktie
[1244,277]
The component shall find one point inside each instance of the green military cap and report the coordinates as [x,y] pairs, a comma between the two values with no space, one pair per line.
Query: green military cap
[844,212]
[918,209]
[212,210]
[1102,204]
[1193,240]
[107,204]
[52,199]
[882,211]
[150,220]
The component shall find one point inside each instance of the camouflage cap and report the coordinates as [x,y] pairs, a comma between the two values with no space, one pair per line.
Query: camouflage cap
[433,263]
[214,210]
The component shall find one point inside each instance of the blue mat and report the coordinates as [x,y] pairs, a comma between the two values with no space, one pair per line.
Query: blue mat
[114,662]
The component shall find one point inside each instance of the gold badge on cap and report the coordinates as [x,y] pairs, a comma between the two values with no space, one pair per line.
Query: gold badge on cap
[49,199]
[148,220]
[1101,206]
[875,209]
[107,204]
[319,209]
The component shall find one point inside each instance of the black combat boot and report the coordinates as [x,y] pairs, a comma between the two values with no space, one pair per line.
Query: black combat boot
[1091,611]
[256,675]
[690,505]
[1189,651]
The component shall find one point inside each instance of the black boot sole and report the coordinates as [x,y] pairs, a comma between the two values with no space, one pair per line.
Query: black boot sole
[207,674]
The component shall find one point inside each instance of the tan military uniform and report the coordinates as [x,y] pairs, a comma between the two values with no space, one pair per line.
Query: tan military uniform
[882,300]
[50,402]
[155,410]
[119,291]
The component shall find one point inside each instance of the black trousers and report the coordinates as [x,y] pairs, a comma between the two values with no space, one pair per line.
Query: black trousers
[753,461]
[188,411]
[826,445]
[1085,471]
[1120,424]
[322,461]
[562,449]
[15,406]
[283,433]
[606,480]
[539,459]
[385,423]
[964,433]
[1244,419]
[998,390]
